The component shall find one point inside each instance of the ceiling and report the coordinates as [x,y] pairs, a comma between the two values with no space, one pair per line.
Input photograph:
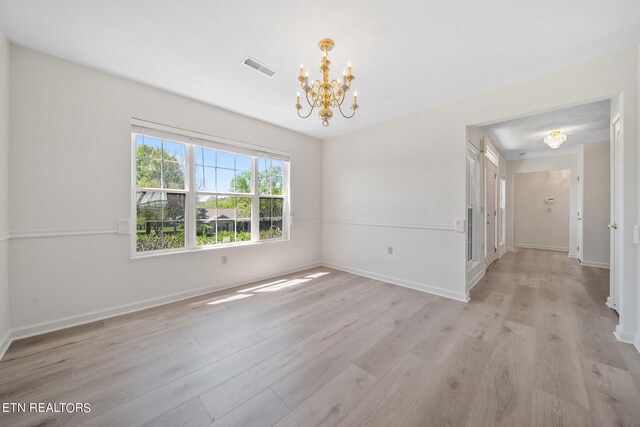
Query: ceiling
[583,124]
[407,55]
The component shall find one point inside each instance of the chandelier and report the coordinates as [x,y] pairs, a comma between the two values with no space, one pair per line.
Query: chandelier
[555,139]
[326,94]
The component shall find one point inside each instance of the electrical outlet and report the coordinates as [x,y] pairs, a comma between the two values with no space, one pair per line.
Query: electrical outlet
[225,260]
[390,250]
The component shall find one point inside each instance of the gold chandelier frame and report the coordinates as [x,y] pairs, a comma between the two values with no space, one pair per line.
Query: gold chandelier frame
[326,94]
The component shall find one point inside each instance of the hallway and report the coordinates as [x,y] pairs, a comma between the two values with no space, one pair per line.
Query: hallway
[564,346]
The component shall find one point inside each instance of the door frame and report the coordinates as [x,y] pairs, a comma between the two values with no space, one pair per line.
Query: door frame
[615,242]
[488,162]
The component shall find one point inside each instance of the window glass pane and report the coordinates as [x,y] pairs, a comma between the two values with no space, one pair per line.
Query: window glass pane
[225,160]
[243,219]
[173,151]
[159,164]
[264,186]
[226,219]
[160,220]
[242,182]
[173,175]
[173,167]
[243,163]
[270,218]
[205,178]
[206,214]
[271,175]
[205,156]
[148,162]
[153,143]
[276,174]
[225,180]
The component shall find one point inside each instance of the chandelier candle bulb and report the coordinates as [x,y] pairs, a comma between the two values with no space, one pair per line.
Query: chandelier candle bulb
[326,94]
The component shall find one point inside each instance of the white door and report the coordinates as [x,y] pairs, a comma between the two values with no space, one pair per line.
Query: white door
[614,271]
[491,179]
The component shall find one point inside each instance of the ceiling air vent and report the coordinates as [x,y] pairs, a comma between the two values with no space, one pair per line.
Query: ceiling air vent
[259,66]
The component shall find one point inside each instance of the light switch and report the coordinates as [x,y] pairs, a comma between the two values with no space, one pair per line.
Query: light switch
[460,225]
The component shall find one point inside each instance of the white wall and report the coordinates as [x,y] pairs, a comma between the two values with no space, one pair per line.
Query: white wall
[402,182]
[596,204]
[71,157]
[541,164]
[537,224]
[4,191]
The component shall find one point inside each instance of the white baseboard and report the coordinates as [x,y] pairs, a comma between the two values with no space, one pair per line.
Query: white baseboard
[609,303]
[5,342]
[458,296]
[511,249]
[502,252]
[67,322]
[624,336]
[476,279]
[546,248]
[595,264]
[573,255]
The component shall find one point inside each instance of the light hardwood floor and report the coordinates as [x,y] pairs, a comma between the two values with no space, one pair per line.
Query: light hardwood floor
[323,347]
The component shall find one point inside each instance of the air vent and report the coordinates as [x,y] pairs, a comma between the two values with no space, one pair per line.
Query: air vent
[259,66]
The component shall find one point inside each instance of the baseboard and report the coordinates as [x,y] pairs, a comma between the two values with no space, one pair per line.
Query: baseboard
[476,279]
[637,343]
[502,252]
[511,249]
[5,342]
[595,264]
[67,322]
[573,255]
[546,248]
[458,296]
[625,337]
[609,303]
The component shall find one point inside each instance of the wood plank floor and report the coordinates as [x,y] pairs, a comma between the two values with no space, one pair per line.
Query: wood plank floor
[323,347]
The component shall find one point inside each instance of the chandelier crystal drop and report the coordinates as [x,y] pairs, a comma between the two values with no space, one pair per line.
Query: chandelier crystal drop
[326,94]
[555,139]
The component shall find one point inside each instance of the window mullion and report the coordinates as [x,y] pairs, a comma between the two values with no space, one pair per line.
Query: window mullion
[255,201]
[190,202]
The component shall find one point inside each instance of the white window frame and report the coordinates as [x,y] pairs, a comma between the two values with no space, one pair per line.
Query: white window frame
[192,139]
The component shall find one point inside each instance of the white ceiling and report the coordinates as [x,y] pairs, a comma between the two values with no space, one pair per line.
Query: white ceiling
[583,124]
[407,55]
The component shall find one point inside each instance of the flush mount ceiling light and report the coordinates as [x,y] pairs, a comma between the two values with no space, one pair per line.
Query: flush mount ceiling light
[326,94]
[555,139]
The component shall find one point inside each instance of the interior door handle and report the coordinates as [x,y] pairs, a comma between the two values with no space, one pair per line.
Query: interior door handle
[613,226]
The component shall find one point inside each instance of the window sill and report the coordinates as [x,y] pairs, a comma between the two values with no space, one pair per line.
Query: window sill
[154,254]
